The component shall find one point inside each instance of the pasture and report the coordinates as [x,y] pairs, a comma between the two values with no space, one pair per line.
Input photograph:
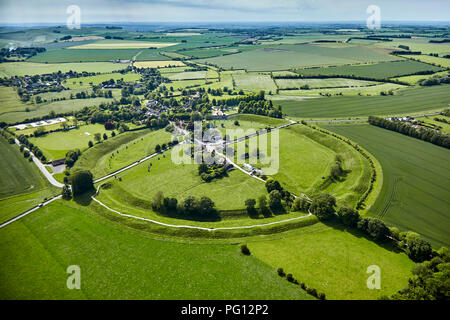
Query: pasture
[254,82]
[407,101]
[416,177]
[321,83]
[83,55]
[334,260]
[36,251]
[371,90]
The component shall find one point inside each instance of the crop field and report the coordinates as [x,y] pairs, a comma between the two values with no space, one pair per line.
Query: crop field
[382,70]
[412,80]
[22,185]
[29,68]
[321,83]
[191,75]
[55,145]
[334,260]
[63,233]
[83,55]
[10,102]
[118,44]
[284,57]
[442,62]
[345,91]
[415,193]
[254,82]
[39,110]
[158,64]
[406,101]
[416,45]
[207,53]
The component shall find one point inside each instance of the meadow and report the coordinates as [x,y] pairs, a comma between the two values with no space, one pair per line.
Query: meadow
[442,62]
[118,44]
[10,102]
[86,82]
[321,83]
[83,55]
[415,193]
[370,90]
[334,260]
[157,64]
[407,101]
[254,82]
[124,264]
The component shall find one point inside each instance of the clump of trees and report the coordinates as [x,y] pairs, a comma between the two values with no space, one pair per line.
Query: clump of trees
[71,157]
[421,133]
[191,206]
[82,182]
[212,171]
[309,290]
[323,206]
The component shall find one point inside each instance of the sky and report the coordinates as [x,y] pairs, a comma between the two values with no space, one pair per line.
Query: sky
[150,11]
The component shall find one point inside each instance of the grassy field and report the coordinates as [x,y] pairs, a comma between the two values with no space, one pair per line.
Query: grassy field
[85,82]
[228,193]
[445,127]
[9,101]
[119,263]
[94,159]
[321,83]
[39,110]
[334,260]
[416,78]
[55,145]
[192,75]
[382,70]
[406,101]
[284,57]
[254,82]
[29,68]
[157,64]
[415,193]
[23,186]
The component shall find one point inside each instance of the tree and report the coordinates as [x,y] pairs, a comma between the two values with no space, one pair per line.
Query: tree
[157,203]
[275,199]
[82,181]
[336,170]
[322,206]
[418,249]
[273,185]
[90,144]
[300,204]
[250,204]
[113,134]
[157,148]
[105,137]
[190,205]
[348,216]
[97,137]
[262,204]
[66,192]
[205,206]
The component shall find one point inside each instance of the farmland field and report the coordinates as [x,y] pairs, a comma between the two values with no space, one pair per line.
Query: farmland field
[382,70]
[22,184]
[117,44]
[29,68]
[321,83]
[254,82]
[82,55]
[157,64]
[284,57]
[415,193]
[406,101]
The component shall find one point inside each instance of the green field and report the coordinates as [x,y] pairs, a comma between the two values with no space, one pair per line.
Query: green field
[83,82]
[28,68]
[415,193]
[285,57]
[382,70]
[23,186]
[254,82]
[406,101]
[124,264]
[334,260]
[371,90]
[10,102]
[228,193]
[83,55]
[43,109]
[321,83]
[56,145]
